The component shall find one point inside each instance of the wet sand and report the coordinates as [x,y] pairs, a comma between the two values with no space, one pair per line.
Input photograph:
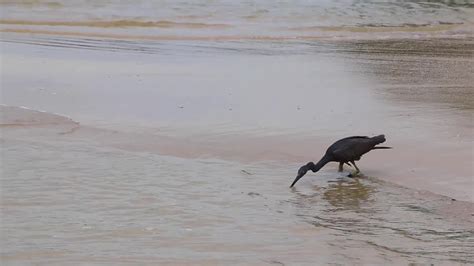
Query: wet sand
[171,152]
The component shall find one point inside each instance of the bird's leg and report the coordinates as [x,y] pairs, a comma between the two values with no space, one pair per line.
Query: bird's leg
[357,168]
[357,171]
[340,167]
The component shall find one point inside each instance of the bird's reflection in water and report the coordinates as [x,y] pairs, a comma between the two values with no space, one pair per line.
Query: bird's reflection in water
[348,194]
[340,194]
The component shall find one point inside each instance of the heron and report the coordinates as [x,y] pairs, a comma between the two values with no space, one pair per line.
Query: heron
[344,151]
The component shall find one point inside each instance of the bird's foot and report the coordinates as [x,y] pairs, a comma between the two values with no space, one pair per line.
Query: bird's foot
[354,174]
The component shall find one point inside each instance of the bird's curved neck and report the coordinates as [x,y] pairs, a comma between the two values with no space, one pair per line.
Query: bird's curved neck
[320,163]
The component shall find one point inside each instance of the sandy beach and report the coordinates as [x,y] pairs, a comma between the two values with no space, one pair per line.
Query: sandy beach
[173,138]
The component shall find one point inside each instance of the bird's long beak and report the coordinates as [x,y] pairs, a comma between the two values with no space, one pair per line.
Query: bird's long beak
[300,175]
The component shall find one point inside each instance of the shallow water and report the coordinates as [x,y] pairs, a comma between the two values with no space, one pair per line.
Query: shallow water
[66,200]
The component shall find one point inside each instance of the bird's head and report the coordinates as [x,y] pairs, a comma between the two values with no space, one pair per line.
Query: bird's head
[302,171]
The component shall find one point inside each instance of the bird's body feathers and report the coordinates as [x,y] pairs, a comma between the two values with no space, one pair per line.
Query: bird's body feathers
[352,148]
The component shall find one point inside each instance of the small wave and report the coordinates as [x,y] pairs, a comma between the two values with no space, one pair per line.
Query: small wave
[22,116]
[162,37]
[172,37]
[300,34]
[381,28]
[123,23]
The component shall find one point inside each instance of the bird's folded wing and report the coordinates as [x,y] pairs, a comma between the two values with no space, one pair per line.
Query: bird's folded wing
[344,155]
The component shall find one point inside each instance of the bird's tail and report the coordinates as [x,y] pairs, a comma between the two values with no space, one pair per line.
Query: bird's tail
[381,147]
[378,139]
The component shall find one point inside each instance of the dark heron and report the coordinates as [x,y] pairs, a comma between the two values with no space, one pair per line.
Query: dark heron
[344,151]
